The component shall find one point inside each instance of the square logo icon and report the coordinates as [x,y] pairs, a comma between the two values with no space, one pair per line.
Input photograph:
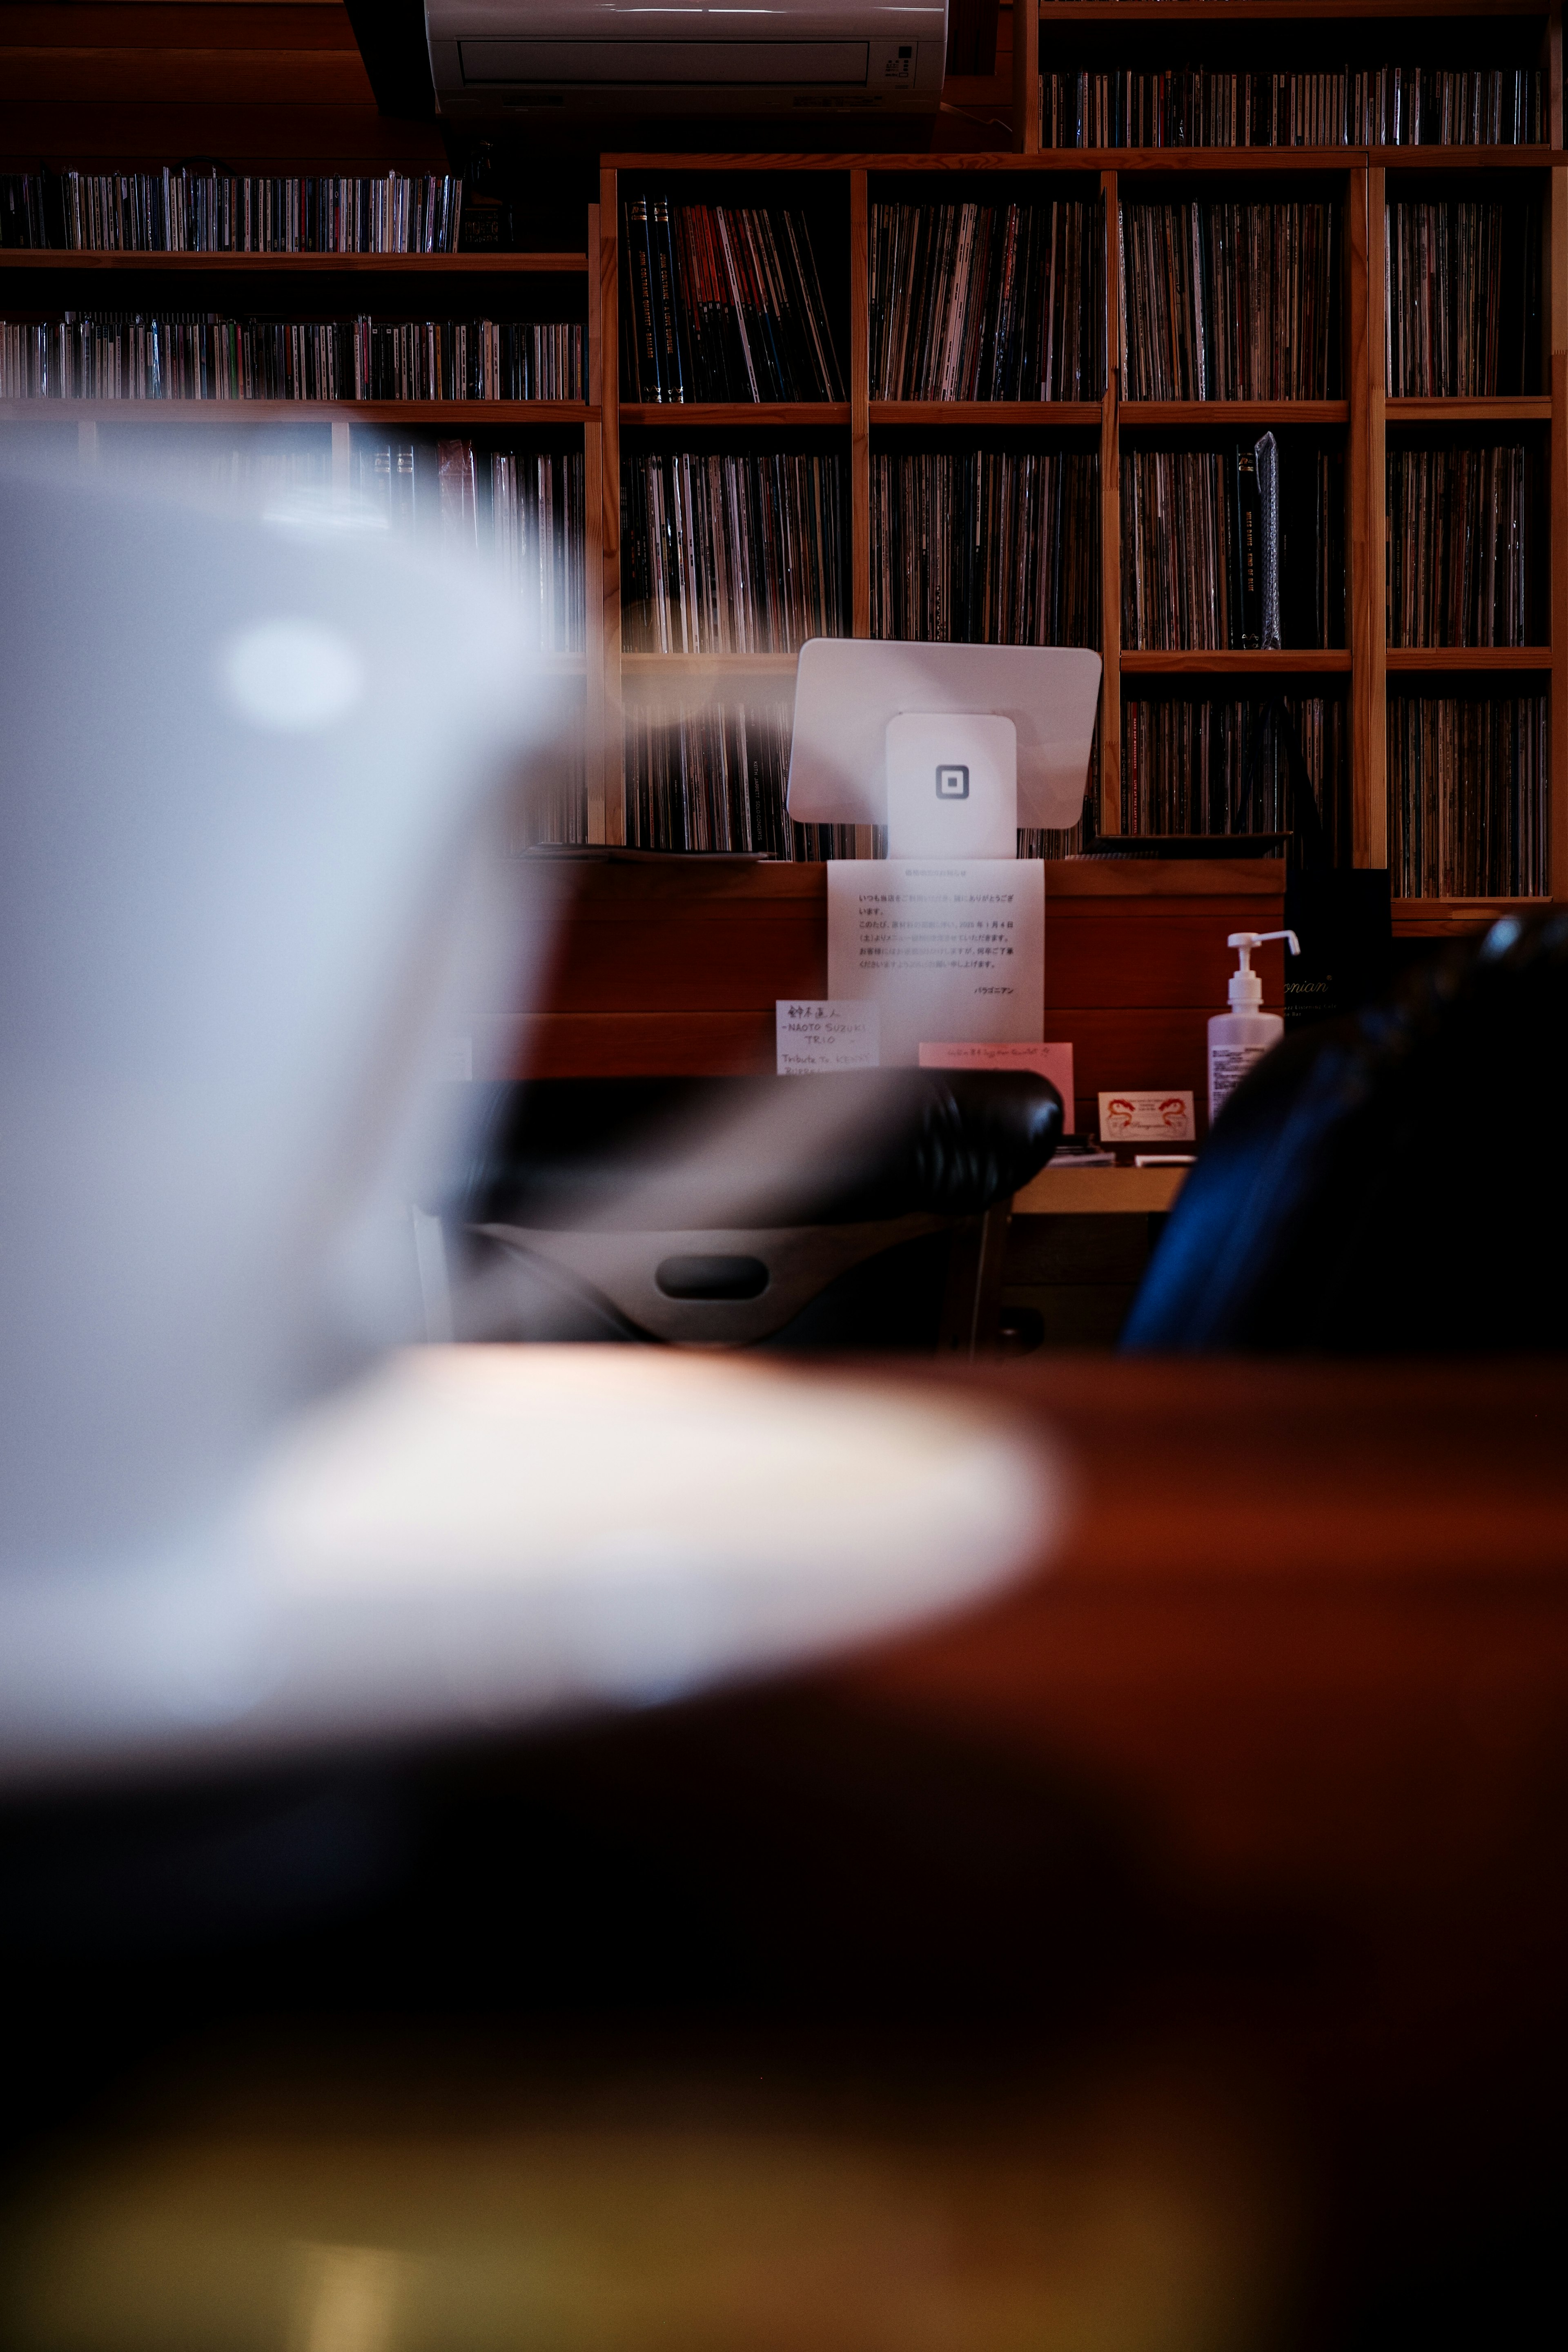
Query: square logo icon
[952,782]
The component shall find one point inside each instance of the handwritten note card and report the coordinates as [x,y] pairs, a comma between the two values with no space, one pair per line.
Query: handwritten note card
[836,1035]
[1053,1062]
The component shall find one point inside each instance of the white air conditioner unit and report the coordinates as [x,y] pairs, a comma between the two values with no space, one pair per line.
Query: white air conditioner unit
[500,58]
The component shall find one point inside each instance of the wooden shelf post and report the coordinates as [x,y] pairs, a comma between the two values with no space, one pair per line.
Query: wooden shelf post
[859,409]
[1368,578]
[1027,76]
[608,807]
[1110,520]
[860,432]
[1556,339]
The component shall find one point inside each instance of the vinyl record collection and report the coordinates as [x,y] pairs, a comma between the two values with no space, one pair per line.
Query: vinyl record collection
[711,776]
[1461,295]
[213,212]
[552,803]
[386,482]
[521,509]
[537,531]
[1460,527]
[199,355]
[725,554]
[1231,302]
[1204,562]
[722,302]
[255,472]
[554,811]
[985,547]
[1390,106]
[1186,764]
[1068,841]
[1467,788]
[987,301]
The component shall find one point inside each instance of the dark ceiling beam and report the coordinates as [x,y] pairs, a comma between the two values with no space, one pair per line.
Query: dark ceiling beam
[391,36]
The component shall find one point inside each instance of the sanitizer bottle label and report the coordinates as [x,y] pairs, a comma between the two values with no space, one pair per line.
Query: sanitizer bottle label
[1228,1064]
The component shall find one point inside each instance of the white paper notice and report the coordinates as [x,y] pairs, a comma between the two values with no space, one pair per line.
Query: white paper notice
[947,948]
[1053,1062]
[825,1035]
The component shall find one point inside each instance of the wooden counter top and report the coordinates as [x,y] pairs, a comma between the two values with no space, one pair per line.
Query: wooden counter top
[1311,1626]
[1100,1193]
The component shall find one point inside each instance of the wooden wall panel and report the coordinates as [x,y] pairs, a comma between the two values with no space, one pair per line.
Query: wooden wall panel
[282,138]
[170,25]
[625,1044]
[254,86]
[1163,951]
[186,77]
[604,967]
[671,968]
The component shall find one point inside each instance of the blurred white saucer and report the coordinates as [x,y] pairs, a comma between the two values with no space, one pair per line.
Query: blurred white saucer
[500,1535]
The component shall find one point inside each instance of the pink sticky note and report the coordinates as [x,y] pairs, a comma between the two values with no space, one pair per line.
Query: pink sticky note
[1053,1062]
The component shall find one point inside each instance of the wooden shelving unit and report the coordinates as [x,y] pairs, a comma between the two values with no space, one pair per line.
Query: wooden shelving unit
[431,415]
[1305,661]
[1099,34]
[1248,35]
[30,282]
[306,265]
[1364,414]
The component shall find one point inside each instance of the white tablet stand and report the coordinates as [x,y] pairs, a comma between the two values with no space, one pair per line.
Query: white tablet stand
[952,748]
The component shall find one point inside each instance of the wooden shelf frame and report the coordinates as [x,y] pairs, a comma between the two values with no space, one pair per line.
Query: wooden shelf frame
[702,413]
[1483,659]
[1230,12]
[1520,409]
[1364,414]
[303,265]
[645,665]
[231,414]
[1229,414]
[1299,661]
[1363,420]
[1044,415]
[460,271]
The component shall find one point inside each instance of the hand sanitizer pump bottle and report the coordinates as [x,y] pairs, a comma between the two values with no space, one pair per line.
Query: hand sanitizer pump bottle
[1244,1033]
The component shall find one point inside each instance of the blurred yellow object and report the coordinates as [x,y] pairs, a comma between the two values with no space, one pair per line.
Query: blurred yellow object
[1130,2223]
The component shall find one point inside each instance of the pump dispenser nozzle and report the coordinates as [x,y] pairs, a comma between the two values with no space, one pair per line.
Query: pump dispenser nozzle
[1246,986]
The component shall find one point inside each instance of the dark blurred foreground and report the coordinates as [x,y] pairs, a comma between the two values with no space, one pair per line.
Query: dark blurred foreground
[1170,1954]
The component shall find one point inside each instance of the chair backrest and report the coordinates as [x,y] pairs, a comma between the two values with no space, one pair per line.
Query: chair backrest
[1390,1184]
[866,1144]
[717,1210]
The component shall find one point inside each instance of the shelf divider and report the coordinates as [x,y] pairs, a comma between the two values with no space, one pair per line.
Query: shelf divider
[1222,414]
[1466,657]
[232,413]
[1517,410]
[1555,262]
[1370,828]
[860,433]
[1027,76]
[384,265]
[984,412]
[1362,572]
[1225,661]
[607,803]
[859,409]
[594,564]
[1110,518]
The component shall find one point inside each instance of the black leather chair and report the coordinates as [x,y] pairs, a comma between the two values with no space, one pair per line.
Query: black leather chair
[1392,1184]
[861,1210]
